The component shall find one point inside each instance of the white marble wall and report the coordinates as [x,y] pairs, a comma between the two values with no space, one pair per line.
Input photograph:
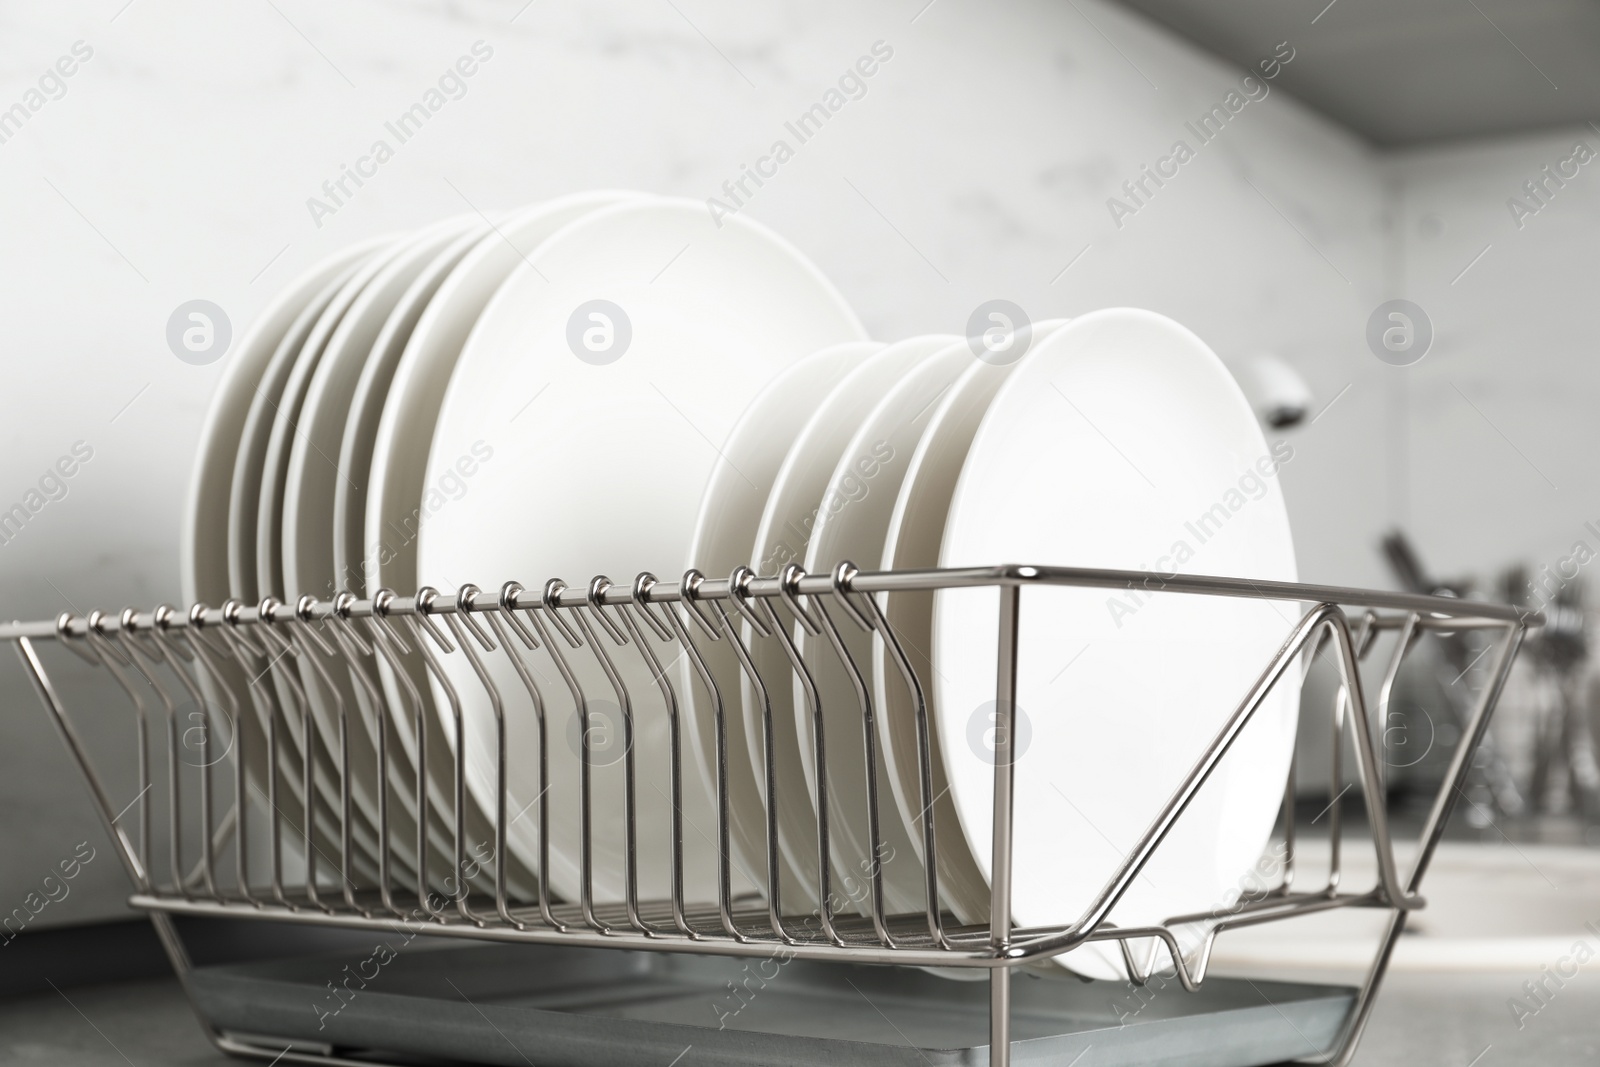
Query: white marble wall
[178,162]
[1499,419]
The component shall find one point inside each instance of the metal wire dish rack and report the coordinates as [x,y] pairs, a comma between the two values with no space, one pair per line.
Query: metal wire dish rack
[218,660]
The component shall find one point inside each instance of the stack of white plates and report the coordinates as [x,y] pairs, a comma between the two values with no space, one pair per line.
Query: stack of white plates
[410,399]
[613,381]
[1118,440]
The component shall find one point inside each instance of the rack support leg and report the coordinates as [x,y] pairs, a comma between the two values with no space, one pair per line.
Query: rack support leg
[1000,1017]
[1005,721]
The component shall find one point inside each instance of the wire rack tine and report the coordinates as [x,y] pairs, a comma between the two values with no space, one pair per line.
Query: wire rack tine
[210,831]
[114,662]
[737,582]
[134,655]
[459,623]
[209,660]
[707,680]
[630,778]
[391,647]
[563,666]
[311,644]
[280,667]
[253,660]
[358,654]
[639,610]
[813,714]
[869,737]
[930,847]
[423,629]
[499,621]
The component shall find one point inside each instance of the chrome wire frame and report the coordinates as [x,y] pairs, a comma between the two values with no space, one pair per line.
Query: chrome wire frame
[206,651]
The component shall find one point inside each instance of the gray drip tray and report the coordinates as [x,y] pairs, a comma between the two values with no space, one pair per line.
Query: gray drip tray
[572,1007]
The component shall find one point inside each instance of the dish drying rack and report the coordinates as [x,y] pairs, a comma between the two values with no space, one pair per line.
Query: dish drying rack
[205,654]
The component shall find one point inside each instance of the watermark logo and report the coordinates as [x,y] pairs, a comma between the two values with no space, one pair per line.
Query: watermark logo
[1408,736]
[1543,188]
[607,733]
[354,978]
[599,332]
[1139,191]
[1250,486]
[50,86]
[1545,587]
[1399,332]
[1540,991]
[52,486]
[999,332]
[450,485]
[198,332]
[850,485]
[986,733]
[738,190]
[207,738]
[53,889]
[451,85]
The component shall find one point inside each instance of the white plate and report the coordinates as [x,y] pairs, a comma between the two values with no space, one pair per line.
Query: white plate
[851,525]
[308,509]
[400,495]
[244,502]
[1120,441]
[597,468]
[244,486]
[730,514]
[272,511]
[203,554]
[316,471]
[365,412]
[349,519]
[275,510]
[792,509]
[912,541]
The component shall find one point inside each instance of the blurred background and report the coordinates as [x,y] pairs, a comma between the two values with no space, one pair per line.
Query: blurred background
[1339,157]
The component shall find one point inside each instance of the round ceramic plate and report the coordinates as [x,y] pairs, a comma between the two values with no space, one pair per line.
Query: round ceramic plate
[315,470]
[851,525]
[912,542]
[270,511]
[365,410]
[204,551]
[308,509]
[276,511]
[349,519]
[244,487]
[401,496]
[792,510]
[271,506]
[1120,441]
[730,515]
[603,376]
[203,568]
[250,461]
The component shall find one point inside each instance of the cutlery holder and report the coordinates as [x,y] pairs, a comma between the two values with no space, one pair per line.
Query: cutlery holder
[193,677]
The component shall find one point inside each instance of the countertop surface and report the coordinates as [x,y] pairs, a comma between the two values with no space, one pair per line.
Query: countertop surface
[1452,1020]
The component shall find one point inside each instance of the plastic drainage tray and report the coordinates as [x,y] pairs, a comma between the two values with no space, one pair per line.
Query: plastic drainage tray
[571,1007]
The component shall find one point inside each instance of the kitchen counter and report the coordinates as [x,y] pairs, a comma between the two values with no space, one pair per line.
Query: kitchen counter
[1449,1020]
